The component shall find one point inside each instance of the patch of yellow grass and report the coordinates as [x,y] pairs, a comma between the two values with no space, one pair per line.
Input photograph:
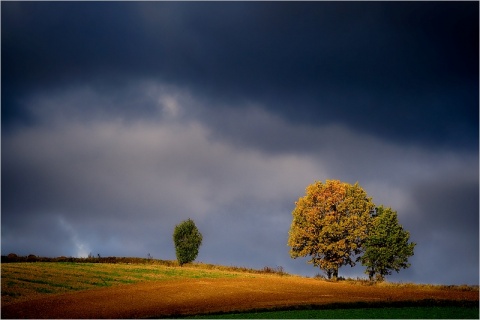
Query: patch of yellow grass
[24,281]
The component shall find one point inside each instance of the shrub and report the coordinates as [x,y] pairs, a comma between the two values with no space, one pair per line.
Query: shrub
[319,276]
[12,257]
[31,258]
[278,270]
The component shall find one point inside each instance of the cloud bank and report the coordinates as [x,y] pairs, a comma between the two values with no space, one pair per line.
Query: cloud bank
[118,185]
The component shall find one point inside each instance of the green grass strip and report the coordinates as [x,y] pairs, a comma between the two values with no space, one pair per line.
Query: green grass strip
[413,309]
[362,313]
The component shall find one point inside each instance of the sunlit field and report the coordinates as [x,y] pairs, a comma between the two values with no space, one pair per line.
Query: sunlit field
[155,288]
[24,281]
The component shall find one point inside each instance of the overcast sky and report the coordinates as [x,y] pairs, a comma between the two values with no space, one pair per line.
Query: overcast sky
[121,119]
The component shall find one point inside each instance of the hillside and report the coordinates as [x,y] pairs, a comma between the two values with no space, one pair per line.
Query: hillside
[132,290]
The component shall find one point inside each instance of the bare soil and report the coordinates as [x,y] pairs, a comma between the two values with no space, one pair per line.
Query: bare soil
[198,296]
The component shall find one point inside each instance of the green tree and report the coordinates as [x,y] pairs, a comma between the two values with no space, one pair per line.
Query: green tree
[187,240]
[330,224]
[387,247]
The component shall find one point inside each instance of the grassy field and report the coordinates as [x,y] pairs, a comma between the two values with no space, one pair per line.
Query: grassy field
[25,282]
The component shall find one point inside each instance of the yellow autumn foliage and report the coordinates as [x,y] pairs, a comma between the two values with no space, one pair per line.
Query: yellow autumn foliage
[330,224]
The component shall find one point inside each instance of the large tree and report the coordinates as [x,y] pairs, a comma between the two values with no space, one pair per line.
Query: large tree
[187,240]
[387,247]
[330,224]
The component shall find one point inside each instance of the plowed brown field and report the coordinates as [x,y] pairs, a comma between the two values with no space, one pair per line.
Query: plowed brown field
[194,296]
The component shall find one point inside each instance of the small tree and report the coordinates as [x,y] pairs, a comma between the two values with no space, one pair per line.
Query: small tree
[387,247]
[330,224]
[187,240]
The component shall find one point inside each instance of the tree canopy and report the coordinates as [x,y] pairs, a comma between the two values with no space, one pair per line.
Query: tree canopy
[387,247]
[330,224]
[187,240]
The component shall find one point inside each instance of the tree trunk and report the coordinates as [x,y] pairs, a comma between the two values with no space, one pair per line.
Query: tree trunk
[329,274]
[371,274]
[335,274]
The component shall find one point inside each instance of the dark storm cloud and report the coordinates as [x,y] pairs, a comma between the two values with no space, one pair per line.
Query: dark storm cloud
[98,174]
[446,216]
[116,186]
[386,68]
